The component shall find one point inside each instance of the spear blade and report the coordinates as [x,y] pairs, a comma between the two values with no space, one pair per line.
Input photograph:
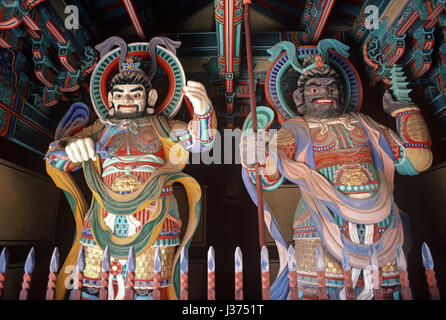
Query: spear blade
[54,264]
[4,260]
[320,263]
[211,259]
[264,259]
[238,257]
[30,262]
[292,266]
[80,263]
[428,262]
[401,259]
[345,259]
[131,263]
[184,264]
[105,266]
[373,257]
[157,262]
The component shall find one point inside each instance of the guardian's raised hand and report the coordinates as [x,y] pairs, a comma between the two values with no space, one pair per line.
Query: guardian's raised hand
[391,105]
[197,95]
[79,150]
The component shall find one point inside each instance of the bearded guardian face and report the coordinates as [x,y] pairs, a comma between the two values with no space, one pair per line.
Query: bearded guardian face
[321,97]
[130,101]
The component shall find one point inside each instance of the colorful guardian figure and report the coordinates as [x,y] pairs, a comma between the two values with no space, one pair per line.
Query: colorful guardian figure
[131,156]
[344,163]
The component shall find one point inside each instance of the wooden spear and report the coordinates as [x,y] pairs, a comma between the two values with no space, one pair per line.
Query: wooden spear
[238,277]
[184,270]
[156,292]
[348,283]
[130,277]
[105,273]
[52,277]
[428,264]
[4,261]
[402,272]
[27,276]
[252,99]
[292,274]
[79,275]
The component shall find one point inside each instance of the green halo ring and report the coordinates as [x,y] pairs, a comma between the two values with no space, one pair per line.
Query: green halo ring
[108,66]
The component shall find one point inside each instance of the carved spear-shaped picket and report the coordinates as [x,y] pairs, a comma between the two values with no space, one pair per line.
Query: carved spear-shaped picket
[156,293]
[130,278]
[184,277]
[320,269]
[428,264]
[52,277]
[211,273]
[79,275]
[376,278]
[27,276]
[238,265]
[348,283]
[4,261]
[402,271]
[264,266]
[292,274]
[105,273]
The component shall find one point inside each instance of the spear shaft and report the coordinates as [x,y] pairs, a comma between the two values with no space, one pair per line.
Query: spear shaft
[252,100]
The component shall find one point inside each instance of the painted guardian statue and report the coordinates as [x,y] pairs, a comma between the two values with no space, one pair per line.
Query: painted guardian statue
[344,163]
[131,156]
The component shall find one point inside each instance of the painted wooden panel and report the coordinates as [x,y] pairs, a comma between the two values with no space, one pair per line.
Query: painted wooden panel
[28,205]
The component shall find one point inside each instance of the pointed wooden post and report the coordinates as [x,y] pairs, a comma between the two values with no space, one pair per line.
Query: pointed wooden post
[156,293]
[348,283]
[211,273]
[428,264]
[264,266]
[184,277]
[4,261]
[130,278]
[52,277]
[27,276]
[238,266]
[79,275]
[376,278]
[105,273]
[320,269]
[292,274]
[402,271]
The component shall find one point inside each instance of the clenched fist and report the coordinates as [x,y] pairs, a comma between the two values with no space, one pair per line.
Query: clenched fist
[197,95]
[79,150]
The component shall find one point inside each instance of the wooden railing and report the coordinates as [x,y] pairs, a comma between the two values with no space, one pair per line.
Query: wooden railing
[238,271]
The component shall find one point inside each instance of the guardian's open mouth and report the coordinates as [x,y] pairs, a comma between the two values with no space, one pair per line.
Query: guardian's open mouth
[326,100]
[127,107]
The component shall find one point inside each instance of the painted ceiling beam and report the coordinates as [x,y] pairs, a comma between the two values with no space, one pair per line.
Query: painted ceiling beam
[228,24]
